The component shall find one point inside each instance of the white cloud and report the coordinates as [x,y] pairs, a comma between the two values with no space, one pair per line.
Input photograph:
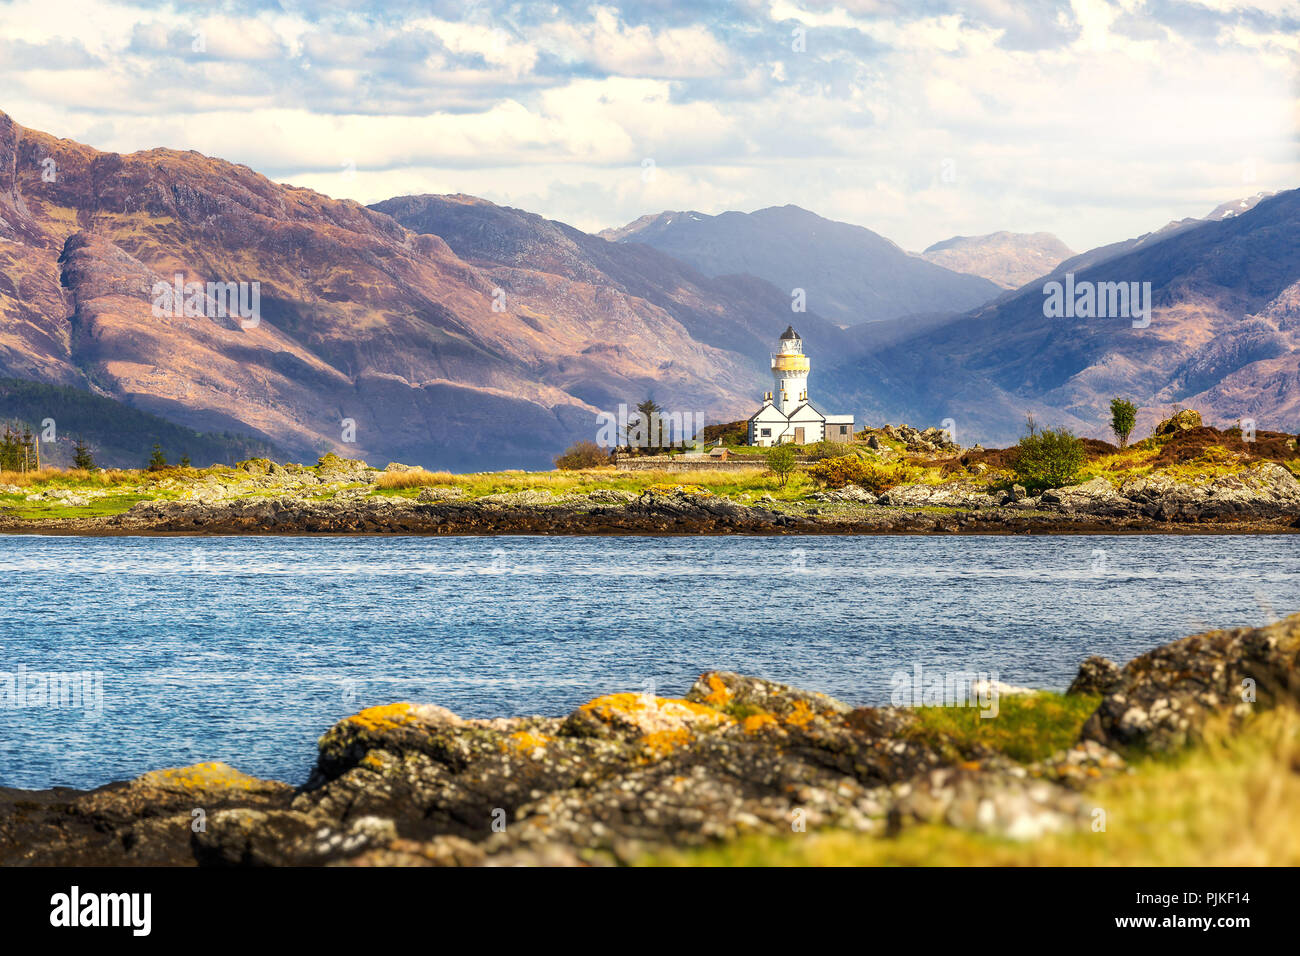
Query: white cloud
[1099,123]
[609,44]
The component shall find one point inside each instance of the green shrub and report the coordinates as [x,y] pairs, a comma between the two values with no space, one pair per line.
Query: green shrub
[851,470]
[1049,458]
[781,461]
[583,454]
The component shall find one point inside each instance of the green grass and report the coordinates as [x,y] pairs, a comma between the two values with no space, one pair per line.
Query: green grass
[16,506]
[1027,727]
[715,481]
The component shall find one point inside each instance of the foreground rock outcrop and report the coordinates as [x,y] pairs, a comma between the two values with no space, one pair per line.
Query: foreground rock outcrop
[626,774]
[1162,699]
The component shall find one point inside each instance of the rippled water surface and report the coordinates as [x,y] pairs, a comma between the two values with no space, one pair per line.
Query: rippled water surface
[247,649]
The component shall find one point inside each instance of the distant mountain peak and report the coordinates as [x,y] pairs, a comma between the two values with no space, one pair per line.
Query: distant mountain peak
[1009,259]
[848,273]
[1236,207]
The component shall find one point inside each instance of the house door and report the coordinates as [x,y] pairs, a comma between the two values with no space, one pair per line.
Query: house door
[798,436]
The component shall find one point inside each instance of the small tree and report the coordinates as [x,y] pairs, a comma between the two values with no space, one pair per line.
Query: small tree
[1049,458]
[781,461]
[185,461]
[1123,417]
[157,461]
[81,456]
[583,454]
[647,424]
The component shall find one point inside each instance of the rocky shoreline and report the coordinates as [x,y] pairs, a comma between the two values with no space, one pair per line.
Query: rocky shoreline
[629,774]
[1265,500]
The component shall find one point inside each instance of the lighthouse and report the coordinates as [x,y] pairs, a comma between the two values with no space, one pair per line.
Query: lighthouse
[790,372]
[787,415]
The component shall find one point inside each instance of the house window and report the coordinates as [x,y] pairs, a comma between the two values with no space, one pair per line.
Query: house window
[844,429]
[765,432]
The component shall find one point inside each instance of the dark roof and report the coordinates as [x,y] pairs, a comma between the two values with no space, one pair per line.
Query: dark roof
[789,333]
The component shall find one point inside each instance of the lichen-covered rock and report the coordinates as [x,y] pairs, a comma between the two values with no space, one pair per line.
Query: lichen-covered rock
[147,821]
[642,716]
[622,774]
[1096,676]
[1181,421]
[610,496]
[754,695]
[1163,698]
[439,493]
[851,494]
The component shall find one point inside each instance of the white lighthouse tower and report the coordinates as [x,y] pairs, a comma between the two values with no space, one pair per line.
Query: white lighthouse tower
[787,415]
[790,373]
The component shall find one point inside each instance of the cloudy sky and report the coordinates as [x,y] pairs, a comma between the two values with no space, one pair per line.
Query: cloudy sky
[920,119]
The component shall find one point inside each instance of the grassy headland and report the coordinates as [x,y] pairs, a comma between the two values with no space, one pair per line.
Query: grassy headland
[943,479]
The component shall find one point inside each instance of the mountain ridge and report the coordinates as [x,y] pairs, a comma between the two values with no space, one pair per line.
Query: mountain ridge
[849,274]
[456,333]
[362,321]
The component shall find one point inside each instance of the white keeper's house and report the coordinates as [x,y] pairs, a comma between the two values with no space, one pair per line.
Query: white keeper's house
[787,414]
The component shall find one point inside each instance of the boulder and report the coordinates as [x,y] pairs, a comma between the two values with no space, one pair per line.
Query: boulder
[610,496]
[439,493]
[1096,676]
[849,494]
[960,494]
[1097,496]
[1180,421]
[332,467]
[255,466]
[148,821]
[1162,699]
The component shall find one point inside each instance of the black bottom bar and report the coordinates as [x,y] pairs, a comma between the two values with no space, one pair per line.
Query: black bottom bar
[331,906]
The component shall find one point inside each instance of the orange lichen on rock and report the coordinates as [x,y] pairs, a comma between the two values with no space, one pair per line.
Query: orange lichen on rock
[202,776]
[719,693]
[385,717]
[800,715]
[526,742]
[649,714]
[756,722]
[402,714]
[661,743]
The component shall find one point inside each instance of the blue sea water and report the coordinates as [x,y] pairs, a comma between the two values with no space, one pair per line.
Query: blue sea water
[247,649]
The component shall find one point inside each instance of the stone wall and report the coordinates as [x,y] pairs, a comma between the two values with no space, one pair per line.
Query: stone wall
[678,463]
